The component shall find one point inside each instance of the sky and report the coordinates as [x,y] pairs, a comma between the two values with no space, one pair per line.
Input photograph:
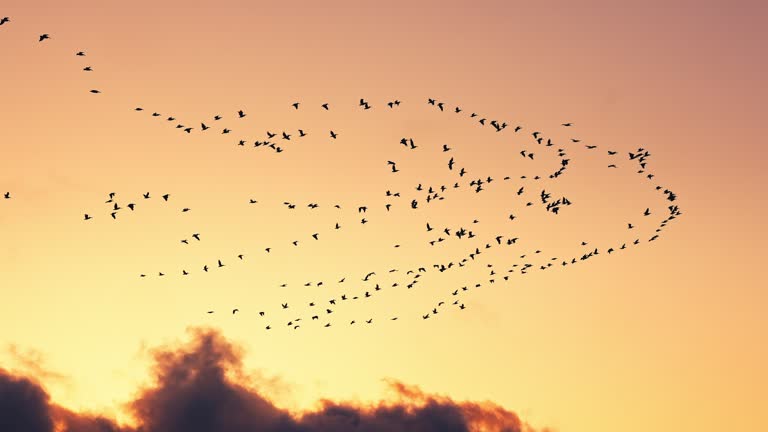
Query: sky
[665,335]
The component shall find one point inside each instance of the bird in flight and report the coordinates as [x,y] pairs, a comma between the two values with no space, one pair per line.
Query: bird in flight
[4,20]
[44,37]
[7,195]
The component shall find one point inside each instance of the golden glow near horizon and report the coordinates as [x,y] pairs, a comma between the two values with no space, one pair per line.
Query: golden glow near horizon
[660,335]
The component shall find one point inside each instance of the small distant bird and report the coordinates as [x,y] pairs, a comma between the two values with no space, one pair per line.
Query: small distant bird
[80,53]
[234,311]
[88,69]
[88,217]
[4,20]
[95,91]
[325,106]
[7,195]
[241,114]
[44,37]
[295,105]
[567,124]
[333,135]
[165,197]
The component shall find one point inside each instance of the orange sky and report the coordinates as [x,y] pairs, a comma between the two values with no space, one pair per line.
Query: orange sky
[664,336]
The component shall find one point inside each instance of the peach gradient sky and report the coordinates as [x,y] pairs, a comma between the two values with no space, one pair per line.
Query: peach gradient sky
[666,336]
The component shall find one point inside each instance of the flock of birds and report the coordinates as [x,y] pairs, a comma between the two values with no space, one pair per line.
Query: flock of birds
[372,282]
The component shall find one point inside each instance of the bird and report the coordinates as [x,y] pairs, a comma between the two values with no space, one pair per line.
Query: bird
[165,197]
[295,105]
[325,106]
[87,217]
[95,91]
[4,20]
[7,195]
[44,37]
[241,114]
[196,236]
[234,311]
[333,135]
[88,69]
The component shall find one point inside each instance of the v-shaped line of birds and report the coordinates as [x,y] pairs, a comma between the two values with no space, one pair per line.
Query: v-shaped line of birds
[427,194]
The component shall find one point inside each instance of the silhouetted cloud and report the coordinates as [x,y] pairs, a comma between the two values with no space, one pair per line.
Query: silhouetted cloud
[201,387]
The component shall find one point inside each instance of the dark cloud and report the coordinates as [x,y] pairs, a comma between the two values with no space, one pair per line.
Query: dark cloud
[23,405]
[201,387]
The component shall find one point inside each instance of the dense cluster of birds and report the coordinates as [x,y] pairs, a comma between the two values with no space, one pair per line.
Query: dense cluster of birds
[370,283]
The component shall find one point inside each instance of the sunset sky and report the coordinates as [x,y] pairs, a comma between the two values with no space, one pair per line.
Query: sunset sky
[665,335]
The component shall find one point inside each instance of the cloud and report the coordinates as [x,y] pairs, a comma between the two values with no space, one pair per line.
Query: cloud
[32,362]
[201,387]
